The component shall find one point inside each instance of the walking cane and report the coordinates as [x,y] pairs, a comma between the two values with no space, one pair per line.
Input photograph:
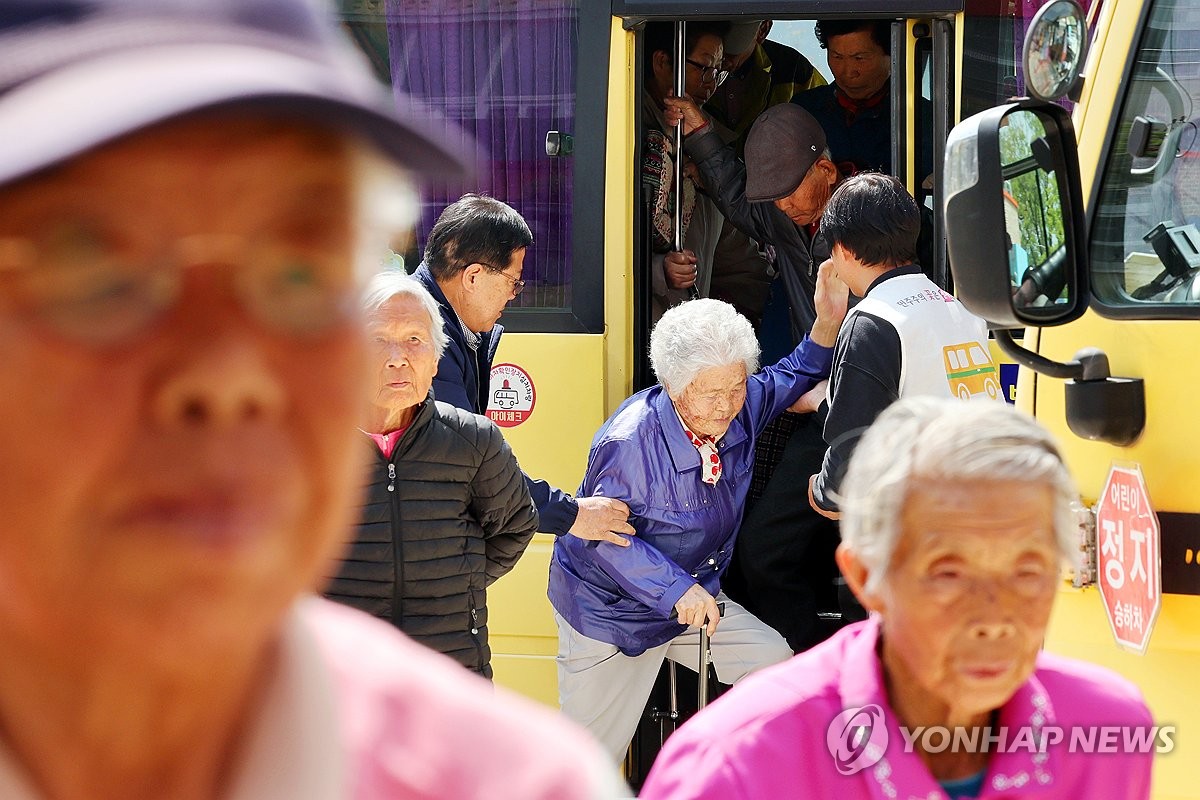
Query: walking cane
[705,663]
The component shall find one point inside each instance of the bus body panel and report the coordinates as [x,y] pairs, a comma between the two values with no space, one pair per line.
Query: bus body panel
[1161,353]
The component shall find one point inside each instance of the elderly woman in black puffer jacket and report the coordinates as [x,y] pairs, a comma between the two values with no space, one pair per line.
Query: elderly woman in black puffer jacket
[446,510]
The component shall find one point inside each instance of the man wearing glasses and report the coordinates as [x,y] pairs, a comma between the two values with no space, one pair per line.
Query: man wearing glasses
[472,267]
[712,249]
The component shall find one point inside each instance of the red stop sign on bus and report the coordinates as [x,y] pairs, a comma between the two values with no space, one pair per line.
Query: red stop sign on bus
[1129,557]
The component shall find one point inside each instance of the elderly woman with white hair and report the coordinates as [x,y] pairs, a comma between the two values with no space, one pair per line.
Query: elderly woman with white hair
[446,510]
[956,519]
[680,454]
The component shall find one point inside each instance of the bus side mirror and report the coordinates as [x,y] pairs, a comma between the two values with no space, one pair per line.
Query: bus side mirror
[1014,216]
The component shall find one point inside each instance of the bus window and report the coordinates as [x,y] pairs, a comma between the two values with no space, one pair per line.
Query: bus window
[1144,246]
[479,66]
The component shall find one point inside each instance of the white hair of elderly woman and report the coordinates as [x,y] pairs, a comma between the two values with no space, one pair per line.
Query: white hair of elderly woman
[922,441]
[697,335]
[394,283]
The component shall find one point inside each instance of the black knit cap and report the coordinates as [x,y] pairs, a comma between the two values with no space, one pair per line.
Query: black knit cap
[783,144]
[75,74]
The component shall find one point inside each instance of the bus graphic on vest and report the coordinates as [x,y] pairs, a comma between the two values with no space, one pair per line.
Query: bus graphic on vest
[971,371]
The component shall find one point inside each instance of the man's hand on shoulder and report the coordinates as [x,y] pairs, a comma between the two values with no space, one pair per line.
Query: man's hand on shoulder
[602,519]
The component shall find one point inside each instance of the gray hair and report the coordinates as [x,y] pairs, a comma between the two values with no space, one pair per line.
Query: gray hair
[924,440]
[697,335]
[394,283]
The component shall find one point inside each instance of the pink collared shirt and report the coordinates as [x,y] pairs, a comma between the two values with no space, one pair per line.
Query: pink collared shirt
[387,441]
[766,737]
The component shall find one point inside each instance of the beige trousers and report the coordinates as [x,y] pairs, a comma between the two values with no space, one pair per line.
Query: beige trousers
[606,691]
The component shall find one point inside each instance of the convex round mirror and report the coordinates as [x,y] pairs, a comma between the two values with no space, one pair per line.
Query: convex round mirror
[1055,46]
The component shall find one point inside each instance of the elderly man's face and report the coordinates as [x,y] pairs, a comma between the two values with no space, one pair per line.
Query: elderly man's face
[703,63]
[168,494]
[967,598]
[700,70]
[859,65]
[710,402]
[404,358]
[490,287]
[805,205]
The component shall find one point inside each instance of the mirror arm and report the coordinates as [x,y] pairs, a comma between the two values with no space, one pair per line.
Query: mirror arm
[1071,370]
[1099,407]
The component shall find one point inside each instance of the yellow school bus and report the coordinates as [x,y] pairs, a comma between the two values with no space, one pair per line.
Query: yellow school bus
[1115,192]
[551,92]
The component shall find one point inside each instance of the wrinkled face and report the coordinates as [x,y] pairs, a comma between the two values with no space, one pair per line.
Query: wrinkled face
[805,205]
[488,291]
[967,597]
[699,74]
[710,402]
[167,495]
[859,65]
[700,82]
[404,358]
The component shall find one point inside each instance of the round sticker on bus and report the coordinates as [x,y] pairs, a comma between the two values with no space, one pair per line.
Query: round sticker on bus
[510,395]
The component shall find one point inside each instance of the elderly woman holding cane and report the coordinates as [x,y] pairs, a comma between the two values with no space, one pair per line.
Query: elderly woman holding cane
[446,511]
[181,371]
[955,519]
[680,455]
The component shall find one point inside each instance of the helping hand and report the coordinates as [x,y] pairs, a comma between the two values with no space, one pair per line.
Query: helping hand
[602,519]
[811,400]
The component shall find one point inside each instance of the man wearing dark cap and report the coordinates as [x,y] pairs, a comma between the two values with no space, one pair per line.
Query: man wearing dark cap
[784,558]
[777,196]
[191,194]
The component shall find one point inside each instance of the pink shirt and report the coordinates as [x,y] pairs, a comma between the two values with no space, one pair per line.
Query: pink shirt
[354,710]
[387,441]
[766,737]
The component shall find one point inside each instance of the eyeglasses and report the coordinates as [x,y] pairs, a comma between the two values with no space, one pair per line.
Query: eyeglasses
[517,283]
[713,75]
[105,291]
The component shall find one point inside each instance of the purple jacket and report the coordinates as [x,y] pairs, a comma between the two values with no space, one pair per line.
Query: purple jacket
[769,736]
[685,528]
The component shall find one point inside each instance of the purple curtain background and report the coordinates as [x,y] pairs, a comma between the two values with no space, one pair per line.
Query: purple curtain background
[504,72]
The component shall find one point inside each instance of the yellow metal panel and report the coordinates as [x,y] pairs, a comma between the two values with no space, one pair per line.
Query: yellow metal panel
[1160,352]
[567,373]
[579,379]
[623,94]
[1165,675]
[568,379]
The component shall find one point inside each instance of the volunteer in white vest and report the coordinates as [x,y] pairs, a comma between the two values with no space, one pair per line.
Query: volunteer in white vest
[907,337]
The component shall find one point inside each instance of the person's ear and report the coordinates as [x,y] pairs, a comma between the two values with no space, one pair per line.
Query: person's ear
[661,60]
[470,276]
[856,574]
[829,169]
